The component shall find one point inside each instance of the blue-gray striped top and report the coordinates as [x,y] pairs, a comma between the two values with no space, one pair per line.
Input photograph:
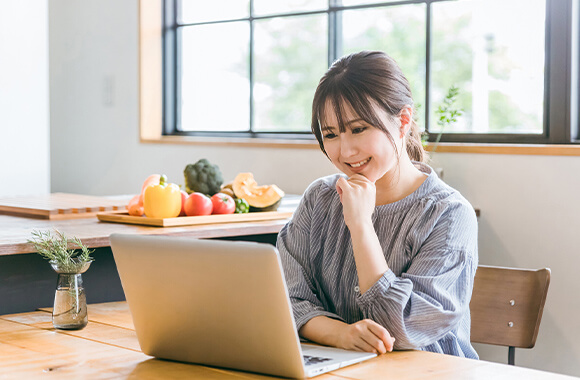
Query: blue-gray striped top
[429,240]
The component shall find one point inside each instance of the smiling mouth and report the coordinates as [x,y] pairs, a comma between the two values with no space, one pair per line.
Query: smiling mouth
[357,165]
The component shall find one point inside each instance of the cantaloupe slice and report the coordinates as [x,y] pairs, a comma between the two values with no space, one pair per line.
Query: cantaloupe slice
[260,198]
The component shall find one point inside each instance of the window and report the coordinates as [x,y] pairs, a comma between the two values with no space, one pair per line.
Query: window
[249,68]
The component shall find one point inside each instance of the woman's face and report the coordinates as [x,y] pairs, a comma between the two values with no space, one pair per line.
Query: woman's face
[362,148]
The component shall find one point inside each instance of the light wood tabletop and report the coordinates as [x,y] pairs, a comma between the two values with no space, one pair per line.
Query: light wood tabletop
[107,348]
[16,230]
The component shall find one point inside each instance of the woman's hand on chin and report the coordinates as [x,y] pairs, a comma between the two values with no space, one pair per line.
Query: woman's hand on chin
[358,196]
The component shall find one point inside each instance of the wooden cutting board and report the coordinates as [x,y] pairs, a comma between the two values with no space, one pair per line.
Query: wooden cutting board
[124,217]
[60,206]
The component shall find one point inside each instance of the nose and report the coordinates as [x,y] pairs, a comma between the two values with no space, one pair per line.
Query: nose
[348,146]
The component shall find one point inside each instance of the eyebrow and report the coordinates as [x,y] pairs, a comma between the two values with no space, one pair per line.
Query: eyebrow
[330,127]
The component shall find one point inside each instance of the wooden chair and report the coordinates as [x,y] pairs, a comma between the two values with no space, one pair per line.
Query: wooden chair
[507,305]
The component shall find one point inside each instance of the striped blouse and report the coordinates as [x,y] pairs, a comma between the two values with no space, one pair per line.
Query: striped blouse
[429,240]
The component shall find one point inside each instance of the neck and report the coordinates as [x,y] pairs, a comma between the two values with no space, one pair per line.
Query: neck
[400,182]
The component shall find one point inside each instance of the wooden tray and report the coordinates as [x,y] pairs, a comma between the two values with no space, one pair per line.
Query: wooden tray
[60,206]
[124,217]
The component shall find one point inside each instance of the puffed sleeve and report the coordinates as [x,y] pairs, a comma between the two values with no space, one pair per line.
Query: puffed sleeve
[294,245]
[431,298]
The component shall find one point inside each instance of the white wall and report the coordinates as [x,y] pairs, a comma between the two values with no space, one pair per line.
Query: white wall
[24,142]
[94,131]
[530,218]
[530,214]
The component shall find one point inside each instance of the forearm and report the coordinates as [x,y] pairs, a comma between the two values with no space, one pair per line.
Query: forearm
[433,292]
[368,255]
[365,335]
[323,330]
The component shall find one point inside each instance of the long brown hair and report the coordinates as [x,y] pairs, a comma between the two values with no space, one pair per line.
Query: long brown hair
[361,80]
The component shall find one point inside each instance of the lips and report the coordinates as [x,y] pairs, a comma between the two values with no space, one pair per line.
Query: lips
[358,164]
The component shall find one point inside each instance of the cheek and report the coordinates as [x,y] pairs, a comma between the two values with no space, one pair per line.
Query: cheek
[333,152]
[384,153]
[331,149]
[385,146]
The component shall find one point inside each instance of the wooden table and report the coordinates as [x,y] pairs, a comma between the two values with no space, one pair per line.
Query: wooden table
[27,282]
[108,349]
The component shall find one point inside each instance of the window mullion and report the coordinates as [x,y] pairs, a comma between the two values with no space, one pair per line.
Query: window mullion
[558,64]
[427,63]
[334,29]
[170,69]
[574,82]
[251,67]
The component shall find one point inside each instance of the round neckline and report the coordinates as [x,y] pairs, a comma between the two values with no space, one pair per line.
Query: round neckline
[419,193]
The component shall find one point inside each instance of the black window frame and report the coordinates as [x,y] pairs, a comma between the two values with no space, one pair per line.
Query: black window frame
[561,79]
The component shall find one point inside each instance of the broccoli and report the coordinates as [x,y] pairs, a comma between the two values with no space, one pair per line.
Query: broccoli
[203,177]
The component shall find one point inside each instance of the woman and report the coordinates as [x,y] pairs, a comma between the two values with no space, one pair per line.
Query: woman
[383,256]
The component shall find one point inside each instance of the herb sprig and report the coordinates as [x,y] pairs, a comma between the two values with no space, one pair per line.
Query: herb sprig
[55,249]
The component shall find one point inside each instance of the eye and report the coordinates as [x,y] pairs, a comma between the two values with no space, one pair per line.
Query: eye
[357,130]
[329,136]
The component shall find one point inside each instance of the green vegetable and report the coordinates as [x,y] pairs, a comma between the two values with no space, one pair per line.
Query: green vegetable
[203,177]
[242,206]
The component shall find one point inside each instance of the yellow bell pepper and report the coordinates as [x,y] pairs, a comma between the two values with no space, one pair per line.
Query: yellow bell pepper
[162,200]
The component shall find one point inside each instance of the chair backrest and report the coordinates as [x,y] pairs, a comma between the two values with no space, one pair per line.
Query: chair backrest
[507,305]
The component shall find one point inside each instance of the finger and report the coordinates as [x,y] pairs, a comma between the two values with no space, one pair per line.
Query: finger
[385,337]
[381,333]
[375,342]
[360,178]
[389,343]
[342,187]
[342,183]
[356,347]
[364,346]
[365,184]
[339,191]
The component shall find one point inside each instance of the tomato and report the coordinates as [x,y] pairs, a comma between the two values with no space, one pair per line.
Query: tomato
[198,204]
[223,204]
[184,197]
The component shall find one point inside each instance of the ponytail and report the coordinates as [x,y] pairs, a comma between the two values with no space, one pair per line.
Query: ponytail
[414,144]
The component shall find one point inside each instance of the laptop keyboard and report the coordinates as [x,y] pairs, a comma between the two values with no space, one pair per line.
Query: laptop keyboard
[309,360]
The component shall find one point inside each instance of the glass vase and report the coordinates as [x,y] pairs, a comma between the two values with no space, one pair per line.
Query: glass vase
[70,302]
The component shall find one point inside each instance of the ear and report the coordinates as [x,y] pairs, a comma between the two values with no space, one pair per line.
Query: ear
[406,119]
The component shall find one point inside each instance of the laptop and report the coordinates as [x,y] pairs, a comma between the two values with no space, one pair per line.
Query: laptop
[217,303]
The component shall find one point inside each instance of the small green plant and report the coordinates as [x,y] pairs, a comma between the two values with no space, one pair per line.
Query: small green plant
[55,249]
[447,113]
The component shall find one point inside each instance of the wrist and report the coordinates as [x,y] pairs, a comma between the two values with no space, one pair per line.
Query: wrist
[323,330]
[336,334]
[362,227]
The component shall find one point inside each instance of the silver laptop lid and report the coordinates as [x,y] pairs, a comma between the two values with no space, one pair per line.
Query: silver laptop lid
[219,303]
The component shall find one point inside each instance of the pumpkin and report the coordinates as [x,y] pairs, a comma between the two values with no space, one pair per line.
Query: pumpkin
[260,198]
